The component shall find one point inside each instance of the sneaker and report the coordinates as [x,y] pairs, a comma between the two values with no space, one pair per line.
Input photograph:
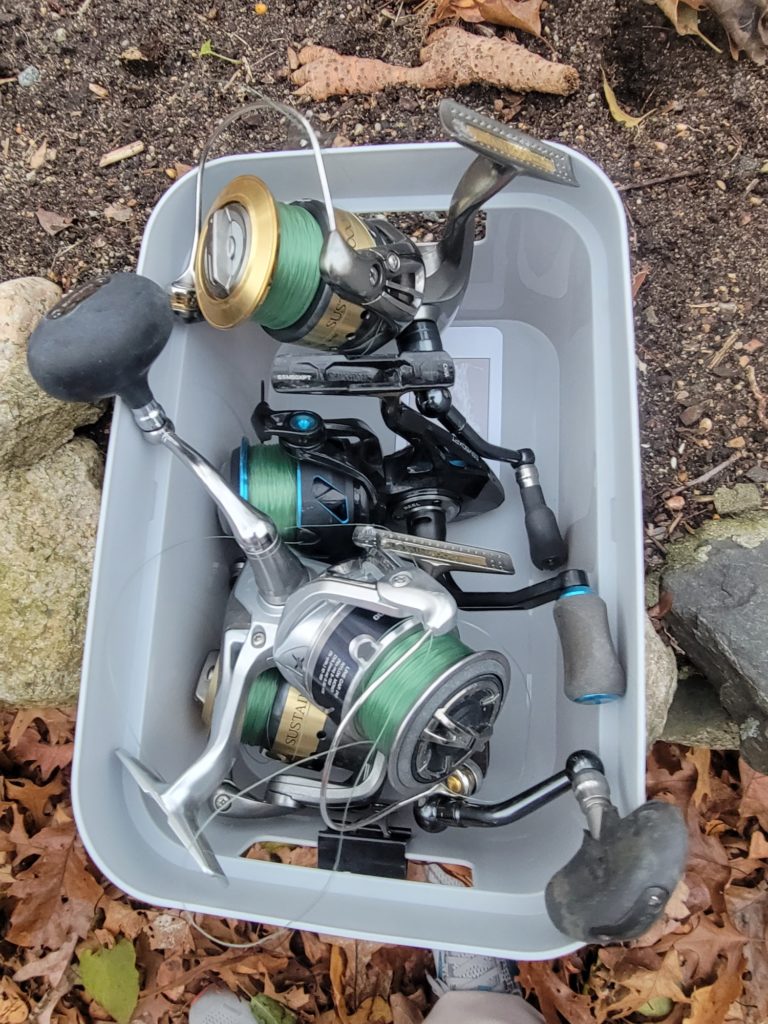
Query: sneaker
[219,1006]
[464,971]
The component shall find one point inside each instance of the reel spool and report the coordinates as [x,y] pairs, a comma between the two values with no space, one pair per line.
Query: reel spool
[258,260]
[278,718]
[435,709]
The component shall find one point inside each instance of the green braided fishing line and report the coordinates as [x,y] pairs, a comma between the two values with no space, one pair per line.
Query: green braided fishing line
[258,708]
[272,485]
[297,274]
[383,713]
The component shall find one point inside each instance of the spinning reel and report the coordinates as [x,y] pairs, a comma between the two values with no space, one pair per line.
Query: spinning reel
[369,643]
[345,286]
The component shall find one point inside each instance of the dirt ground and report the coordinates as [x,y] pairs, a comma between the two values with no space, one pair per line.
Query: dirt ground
[701,238]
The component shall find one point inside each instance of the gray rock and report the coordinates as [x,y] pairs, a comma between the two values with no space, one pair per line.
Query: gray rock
[660,681]
[60,36]
[731,501]
[49,515]
[28,76]
[32,424]
[758,475]
[698,719]
[718,580]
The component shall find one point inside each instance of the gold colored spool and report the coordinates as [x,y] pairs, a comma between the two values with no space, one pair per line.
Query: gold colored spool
[300,724]
[224,306]
[251,250]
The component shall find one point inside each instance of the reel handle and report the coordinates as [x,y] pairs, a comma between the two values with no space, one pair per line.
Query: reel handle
[593,673]
[101,339]
[545,542]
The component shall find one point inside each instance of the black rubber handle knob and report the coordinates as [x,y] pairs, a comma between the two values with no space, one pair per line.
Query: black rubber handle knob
[101,339]
[593,674]
[548,549]
[616,886]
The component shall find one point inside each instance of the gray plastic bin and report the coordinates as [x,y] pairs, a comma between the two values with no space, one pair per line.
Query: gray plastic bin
[549,304]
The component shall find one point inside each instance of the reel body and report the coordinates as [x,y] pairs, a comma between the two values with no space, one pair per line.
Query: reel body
[325,477]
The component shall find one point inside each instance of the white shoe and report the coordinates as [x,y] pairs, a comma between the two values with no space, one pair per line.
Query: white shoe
[219,1006]
[464,971]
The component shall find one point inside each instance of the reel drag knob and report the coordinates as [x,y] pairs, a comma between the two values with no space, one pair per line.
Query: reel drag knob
[101,339]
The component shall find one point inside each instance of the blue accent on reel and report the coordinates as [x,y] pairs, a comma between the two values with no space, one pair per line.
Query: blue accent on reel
[303,421]
[575,591]
[243,474]
[597,698]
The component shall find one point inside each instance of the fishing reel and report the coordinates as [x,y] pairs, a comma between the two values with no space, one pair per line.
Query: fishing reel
[310,274]
[325,477]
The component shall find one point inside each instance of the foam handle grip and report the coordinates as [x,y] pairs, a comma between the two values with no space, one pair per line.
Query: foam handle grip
[593,674]
[547,547]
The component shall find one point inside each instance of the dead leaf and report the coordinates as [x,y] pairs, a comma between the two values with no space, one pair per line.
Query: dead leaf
[746,24]
[35,798]
[710,1004]
[121,919]
[13,1007]
[758,846]
[451,57]
[640,985]
[119,213]
[701,757]
[37,159]
[754,794]
[50,967]
[616,112]
[520,14]
[404,1010]
[52,223]
[133,53]
[544,979]
[56,896]
[638,280]
[684,16]
[170,933]
[707,941]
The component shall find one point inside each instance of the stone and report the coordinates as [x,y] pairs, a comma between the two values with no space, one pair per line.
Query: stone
[660,681]
[49,514]
[698,719]
[718,582]
[731,501]
[32,424]
[28,76]
[758,475]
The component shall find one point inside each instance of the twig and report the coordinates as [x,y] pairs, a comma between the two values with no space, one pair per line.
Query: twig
[83,8]
[674,524]
[709,474]
[694,173]
[760,398]
[723,351]
[122,153]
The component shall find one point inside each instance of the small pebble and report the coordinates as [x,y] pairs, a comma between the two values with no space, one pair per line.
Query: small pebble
[758,475]
[676,503]
[720,184]
[60,36]
[736,442]
[737,499]
[705,425]
[29,76]
[753,345]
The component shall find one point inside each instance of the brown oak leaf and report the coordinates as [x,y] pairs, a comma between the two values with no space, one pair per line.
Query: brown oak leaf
[56,896]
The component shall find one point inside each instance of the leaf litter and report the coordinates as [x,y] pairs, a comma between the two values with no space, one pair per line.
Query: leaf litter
[77,949]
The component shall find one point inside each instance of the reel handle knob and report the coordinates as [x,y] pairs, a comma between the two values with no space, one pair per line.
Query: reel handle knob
[592,671]
[101,339]
[545,542]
